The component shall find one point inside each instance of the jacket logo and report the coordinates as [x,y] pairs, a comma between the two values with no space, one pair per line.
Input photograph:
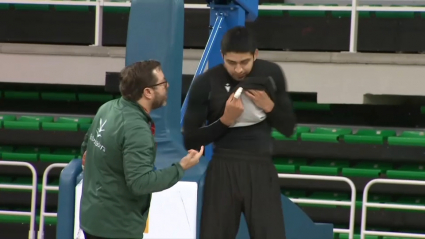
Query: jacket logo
[100,129]
[227,87]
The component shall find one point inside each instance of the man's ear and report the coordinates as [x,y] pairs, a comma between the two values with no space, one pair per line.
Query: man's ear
[148,93]
[255,54]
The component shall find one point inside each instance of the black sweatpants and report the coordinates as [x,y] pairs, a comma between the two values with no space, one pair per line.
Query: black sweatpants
[88,236]
[238,182]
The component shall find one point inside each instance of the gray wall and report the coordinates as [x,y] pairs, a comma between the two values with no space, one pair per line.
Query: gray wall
[335,77]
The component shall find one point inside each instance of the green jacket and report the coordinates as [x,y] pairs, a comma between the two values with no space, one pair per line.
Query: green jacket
[119,176]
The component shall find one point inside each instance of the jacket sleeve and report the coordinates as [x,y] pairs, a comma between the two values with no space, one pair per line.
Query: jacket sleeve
[138,163]
[195,131]
[282,116]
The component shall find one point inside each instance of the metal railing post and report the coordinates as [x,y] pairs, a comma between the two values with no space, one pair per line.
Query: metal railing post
[33,189]
[352,202]
[44,189]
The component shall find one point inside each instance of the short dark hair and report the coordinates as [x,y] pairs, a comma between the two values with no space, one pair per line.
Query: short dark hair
[239,40]
[136,77]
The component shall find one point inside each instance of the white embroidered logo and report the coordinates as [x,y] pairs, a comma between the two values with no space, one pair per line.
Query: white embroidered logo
[227,87]
[100,130]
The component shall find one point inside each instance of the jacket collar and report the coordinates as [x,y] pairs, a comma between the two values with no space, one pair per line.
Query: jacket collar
[136,106]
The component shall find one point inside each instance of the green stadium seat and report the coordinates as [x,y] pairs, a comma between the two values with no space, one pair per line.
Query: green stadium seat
[4,6]
[32,7]
[335,131]
[80,120]
[331,163]
[5,149]
[66,123]
[366,169]
[333,171]
[59,96]
[15,218]
[408,138]
[369,136]
[310,106]
[22,125]
[357,236]
[300,129]
[413,134]
[60,126]
[36,118]
[294,193]
[48,220]
[95,97]
[6,118]
[59,156]
[410,175]
[21,95]
[285,165]
[324,134]
[27,122]
[29,154]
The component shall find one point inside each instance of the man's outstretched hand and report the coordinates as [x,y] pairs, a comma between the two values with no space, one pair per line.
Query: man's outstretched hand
[192,158]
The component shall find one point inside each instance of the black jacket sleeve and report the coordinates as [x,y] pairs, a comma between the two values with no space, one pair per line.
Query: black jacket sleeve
[195,131]
[282,116]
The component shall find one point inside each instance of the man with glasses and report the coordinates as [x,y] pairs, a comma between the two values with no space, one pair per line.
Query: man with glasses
[119,154]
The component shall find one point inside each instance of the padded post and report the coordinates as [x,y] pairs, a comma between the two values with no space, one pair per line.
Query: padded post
[66,202]
[155,31]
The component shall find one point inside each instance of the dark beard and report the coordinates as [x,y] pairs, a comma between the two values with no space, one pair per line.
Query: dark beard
[157,103]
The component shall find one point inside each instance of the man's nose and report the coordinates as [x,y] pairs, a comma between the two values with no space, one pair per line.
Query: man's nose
[238,69]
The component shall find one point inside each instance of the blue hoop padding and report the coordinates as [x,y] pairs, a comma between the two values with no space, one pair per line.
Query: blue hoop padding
[66,203]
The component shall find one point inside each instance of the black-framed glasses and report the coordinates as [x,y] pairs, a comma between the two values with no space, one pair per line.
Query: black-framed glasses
[164,82]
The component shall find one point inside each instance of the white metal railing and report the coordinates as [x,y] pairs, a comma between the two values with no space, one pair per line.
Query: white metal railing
[351,203]
[99,4]
[44,189]
[366,204]
[32,187]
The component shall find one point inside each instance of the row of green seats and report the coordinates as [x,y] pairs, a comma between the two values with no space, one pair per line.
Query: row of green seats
[22,218]
[338,196]
[338,14]
[57,96]
[34,154]
[363,136]
[27,181]
[343,167]
[86,97]
[299,105]
[45,123]
[47,7]
[294,13]
[357,234]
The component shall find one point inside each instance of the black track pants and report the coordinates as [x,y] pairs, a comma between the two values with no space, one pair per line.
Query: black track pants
[239,182]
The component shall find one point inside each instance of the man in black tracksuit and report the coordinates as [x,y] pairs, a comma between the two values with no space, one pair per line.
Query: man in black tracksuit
[241,176]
